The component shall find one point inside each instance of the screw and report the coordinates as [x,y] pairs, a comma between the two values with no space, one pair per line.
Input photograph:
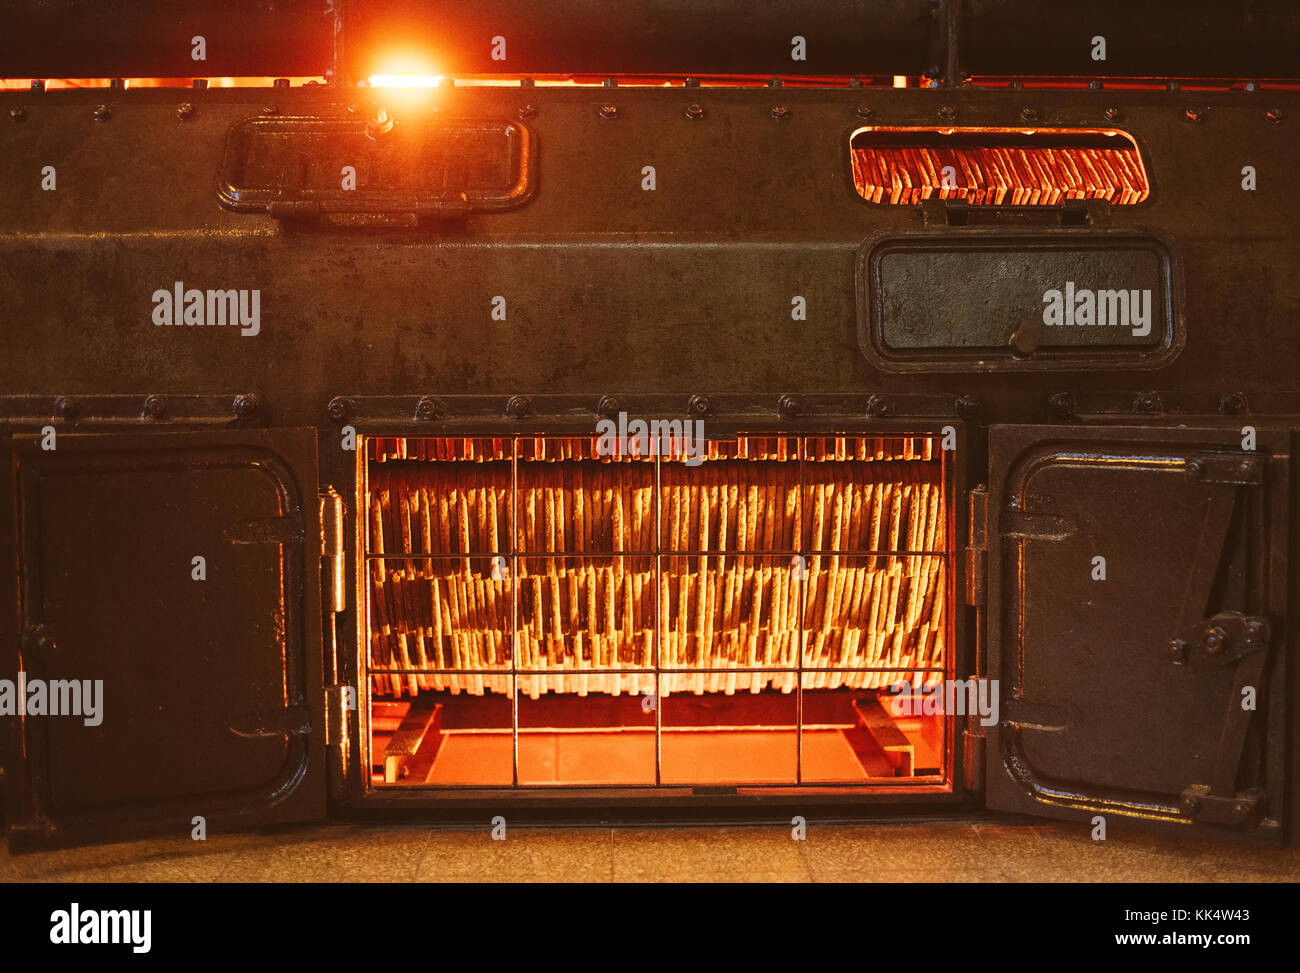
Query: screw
[337,409]
[246,406]
[608,111]
[865,111]
[789,406]
[608,407]
[947,112]
[185,111]
[1112,113]
[876,407]
[100,113]
[18,113]
[1194,115]
[1216,639]
[1147,402]
[699,406]
[1063,403]
[428,408]
[1232,403]
[519,406]
[64,408]
[780,112]
[527,111]
[694,111]
[155,407]
[1029,114]
[1274,115]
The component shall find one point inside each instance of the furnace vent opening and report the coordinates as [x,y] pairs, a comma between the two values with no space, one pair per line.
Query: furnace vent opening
[542,614]
[997,166]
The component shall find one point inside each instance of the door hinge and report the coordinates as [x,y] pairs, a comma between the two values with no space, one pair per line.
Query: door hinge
[977,548]
[333,568]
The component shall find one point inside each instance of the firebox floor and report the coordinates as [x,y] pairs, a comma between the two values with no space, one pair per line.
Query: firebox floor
[945,851]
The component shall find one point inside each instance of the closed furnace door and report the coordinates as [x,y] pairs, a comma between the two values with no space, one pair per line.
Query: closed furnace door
[1137,610]
[167,633]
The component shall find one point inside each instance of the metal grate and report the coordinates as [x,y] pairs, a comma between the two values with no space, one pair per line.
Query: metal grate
[777,567]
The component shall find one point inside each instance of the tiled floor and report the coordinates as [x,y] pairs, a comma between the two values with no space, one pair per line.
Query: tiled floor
[942,852]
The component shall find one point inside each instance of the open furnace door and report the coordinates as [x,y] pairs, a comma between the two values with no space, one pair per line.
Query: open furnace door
[211,701]
[1137,598]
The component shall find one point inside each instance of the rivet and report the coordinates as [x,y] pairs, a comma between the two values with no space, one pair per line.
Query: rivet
[245,406]
[699,406]
[864,111]
[155,407]
[608,111]
[877,407]
[429,408]
[608,407]
[65,408]
[1029,114]
[17,113]
[947,112]
[519,406]
[694,111]
[780,112]
[185,111]
[337,409]
[101,113]
[1112,114]
[789,406]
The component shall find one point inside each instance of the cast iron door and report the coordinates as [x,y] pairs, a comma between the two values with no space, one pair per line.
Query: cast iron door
[1137,602]
[168,596]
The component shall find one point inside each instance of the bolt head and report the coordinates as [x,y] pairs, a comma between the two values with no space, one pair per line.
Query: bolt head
[694,111]
[608,407]
[699,406]
[789,406]
[947,112]
[17,113]
[185,111]
[608,111]
[155,407]
[101,113]
[877,407]
[780,112]
[245,406]
[429,408]
[865,111]
[1112,114]
[1029,114]
[65,408]
[337,409]
[519,406]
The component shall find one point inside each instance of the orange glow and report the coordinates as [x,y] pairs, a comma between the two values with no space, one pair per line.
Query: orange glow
[405,80]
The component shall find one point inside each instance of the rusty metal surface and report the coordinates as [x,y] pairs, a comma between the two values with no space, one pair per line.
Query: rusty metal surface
[617,294]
